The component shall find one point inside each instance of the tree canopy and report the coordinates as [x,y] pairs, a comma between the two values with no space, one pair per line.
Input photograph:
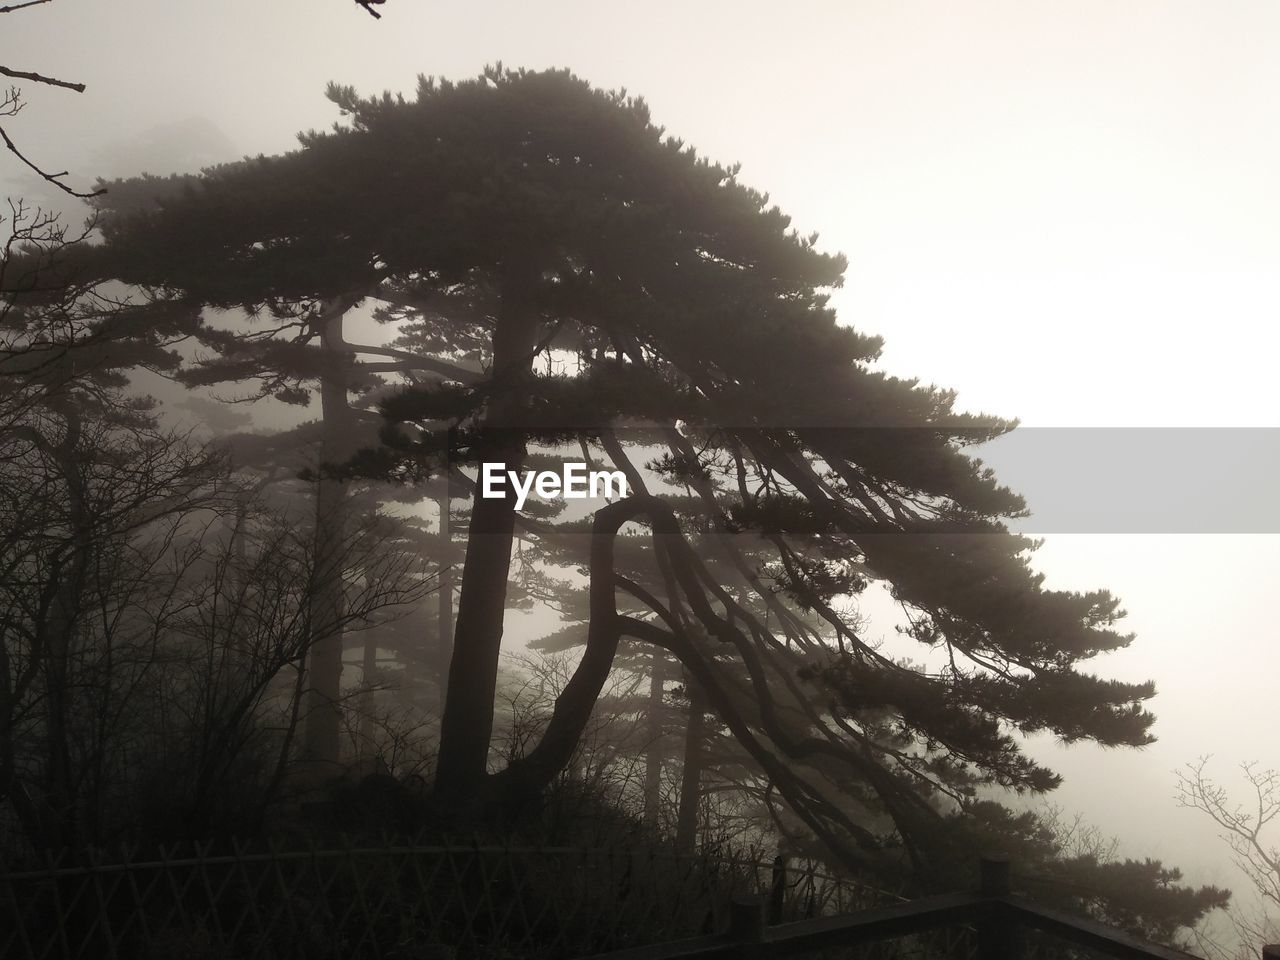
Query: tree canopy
[564,272]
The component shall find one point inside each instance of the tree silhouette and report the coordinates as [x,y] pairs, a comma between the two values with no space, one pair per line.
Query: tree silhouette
[550,226]
[137,563]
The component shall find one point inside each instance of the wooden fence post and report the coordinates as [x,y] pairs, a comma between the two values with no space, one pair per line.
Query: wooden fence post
[777,889]
[993,876]
[996,936]
[746,923]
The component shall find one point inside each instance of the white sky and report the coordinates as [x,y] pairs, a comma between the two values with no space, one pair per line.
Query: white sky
[1068,211]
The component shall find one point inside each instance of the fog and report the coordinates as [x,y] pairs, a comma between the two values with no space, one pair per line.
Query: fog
[1068,213]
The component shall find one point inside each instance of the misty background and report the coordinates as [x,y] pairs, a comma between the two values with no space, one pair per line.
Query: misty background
[1066,212]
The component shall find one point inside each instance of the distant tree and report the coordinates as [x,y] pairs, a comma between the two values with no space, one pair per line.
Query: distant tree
[1064,862]
[293,350]
[1251,828]
[617,282]
[316,355]
[148,604]
[148,614]
[299,343]
[66,339]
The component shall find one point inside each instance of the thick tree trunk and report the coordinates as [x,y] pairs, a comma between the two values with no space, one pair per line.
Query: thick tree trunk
[467,724]
[691,778]
[322,733]
[654,751]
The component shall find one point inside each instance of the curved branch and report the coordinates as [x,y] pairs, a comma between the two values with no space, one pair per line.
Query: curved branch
[54,178]
[799,795]
[573,707]
[574,704]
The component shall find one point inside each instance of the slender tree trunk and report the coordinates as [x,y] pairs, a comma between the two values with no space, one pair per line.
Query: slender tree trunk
[234,568]
[322,734]
[467,724]
[368,673]
[32,816]
[654,751]
[444,612]
[59,638]
[691,778]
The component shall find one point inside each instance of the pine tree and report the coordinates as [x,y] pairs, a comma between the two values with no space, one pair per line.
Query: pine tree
[527,213]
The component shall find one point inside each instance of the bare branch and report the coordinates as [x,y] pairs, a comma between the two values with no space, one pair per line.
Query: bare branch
[53,178]
[1246,828]
[20,6]
[40,78]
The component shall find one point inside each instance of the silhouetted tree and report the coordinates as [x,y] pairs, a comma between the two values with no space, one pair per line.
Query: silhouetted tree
[296,350]
[545,218]
[1068,864]
[119,586]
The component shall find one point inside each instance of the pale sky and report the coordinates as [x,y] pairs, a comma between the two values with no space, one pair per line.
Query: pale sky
[1068,211]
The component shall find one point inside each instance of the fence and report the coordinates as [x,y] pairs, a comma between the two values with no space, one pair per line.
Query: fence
[405,902]
[1003,927]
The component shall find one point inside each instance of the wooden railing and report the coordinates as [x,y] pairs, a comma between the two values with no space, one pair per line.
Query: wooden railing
[993,912]
[370,902]
[469,901]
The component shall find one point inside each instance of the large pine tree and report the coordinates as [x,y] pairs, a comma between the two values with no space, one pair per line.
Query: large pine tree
[623,293]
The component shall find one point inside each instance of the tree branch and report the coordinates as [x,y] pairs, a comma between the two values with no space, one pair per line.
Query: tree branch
[53,178]
[19,6]
[40,78]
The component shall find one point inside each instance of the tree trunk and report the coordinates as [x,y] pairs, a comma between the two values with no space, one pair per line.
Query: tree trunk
[322,733]
[368,674]
[654,751]
[59,637]
[467,724]
[691,778]
[444,612]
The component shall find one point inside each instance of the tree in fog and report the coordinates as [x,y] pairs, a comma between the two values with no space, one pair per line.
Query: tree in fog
[294,350]
[1248,825]
[633,302]
[149,605]
[148,617]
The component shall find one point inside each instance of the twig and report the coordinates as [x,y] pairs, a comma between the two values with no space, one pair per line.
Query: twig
[18,6]
[51,177]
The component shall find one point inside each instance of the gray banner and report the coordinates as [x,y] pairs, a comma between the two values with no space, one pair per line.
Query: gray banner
[1141,480]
